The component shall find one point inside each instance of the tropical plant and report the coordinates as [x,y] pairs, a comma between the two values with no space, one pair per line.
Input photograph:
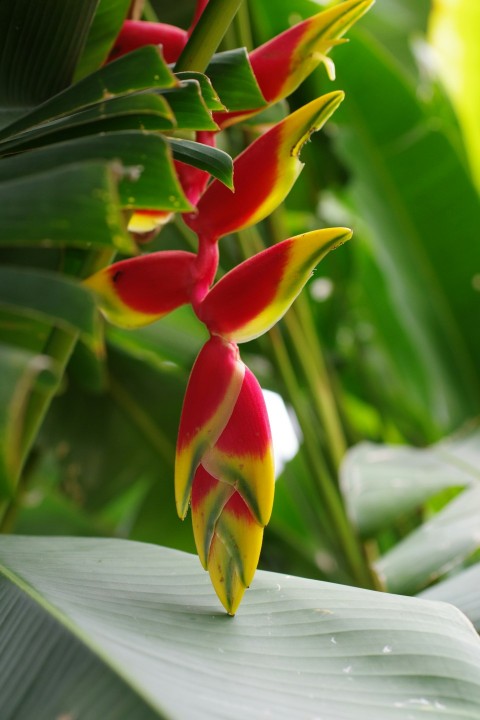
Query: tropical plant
[118,122]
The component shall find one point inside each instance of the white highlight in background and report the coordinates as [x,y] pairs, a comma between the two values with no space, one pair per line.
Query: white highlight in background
[284,436]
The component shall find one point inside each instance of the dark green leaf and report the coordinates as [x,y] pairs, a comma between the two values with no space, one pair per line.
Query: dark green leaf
[189,107]
[74,205]
[51,297]
[106,25]
[150,180]
[216,162]
[41,43]
[139,70]
[233,79]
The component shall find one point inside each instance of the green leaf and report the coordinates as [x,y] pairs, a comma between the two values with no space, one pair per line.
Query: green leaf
[233,79]
[119,630]
[75,205]
[189,107]
[460,590]
[416,197]
[216,162]
[142,69]
[149,182]
[106,25]
[142,111]
[41,43]
[210,97]
[20,372]
[51,297]
[437,546]
[382,483]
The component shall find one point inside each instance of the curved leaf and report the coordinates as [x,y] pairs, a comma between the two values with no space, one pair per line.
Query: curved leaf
[93,625]
[216,162]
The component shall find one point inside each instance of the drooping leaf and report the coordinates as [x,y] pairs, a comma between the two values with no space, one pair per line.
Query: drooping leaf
[382,483]
[211,159]
[142,624]
[440,544]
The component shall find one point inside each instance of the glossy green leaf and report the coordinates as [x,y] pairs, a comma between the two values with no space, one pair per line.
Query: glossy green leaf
[382,483]
[53,298]
[41,43]
[142,111]
[233,79]
[210,97]
[150,180]
[74,205]
[414,193]
[460,590]
[20,372]
[188,106]
[105,27]
[142,69]
[440,544]
[215,161]
[135,631]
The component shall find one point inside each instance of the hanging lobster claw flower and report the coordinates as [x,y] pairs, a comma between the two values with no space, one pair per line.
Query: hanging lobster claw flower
[263,173]
[233,542]
[143,289]
[232,495]
[283,63]
[137,33]
[253,296]
[213,390]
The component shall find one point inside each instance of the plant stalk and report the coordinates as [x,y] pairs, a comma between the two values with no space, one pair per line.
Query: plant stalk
[207,35]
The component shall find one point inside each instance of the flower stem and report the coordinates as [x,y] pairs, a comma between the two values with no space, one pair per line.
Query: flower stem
[207,35]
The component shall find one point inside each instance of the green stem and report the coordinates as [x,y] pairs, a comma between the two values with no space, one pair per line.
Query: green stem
[344,535]
[207,35]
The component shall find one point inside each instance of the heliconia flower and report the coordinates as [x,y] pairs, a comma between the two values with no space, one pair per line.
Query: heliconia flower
[252,297]
[145,224]
[137,33]
[230,477]
[213,390]
[263,173]
[283,63]
[143,289]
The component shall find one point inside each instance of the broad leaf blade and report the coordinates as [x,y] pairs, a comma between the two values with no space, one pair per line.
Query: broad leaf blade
[298,648]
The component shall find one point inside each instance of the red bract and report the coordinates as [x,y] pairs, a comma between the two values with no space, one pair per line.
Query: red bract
[137,33]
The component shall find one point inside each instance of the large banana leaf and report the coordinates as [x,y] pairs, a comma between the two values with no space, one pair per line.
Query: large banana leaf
[115,629]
